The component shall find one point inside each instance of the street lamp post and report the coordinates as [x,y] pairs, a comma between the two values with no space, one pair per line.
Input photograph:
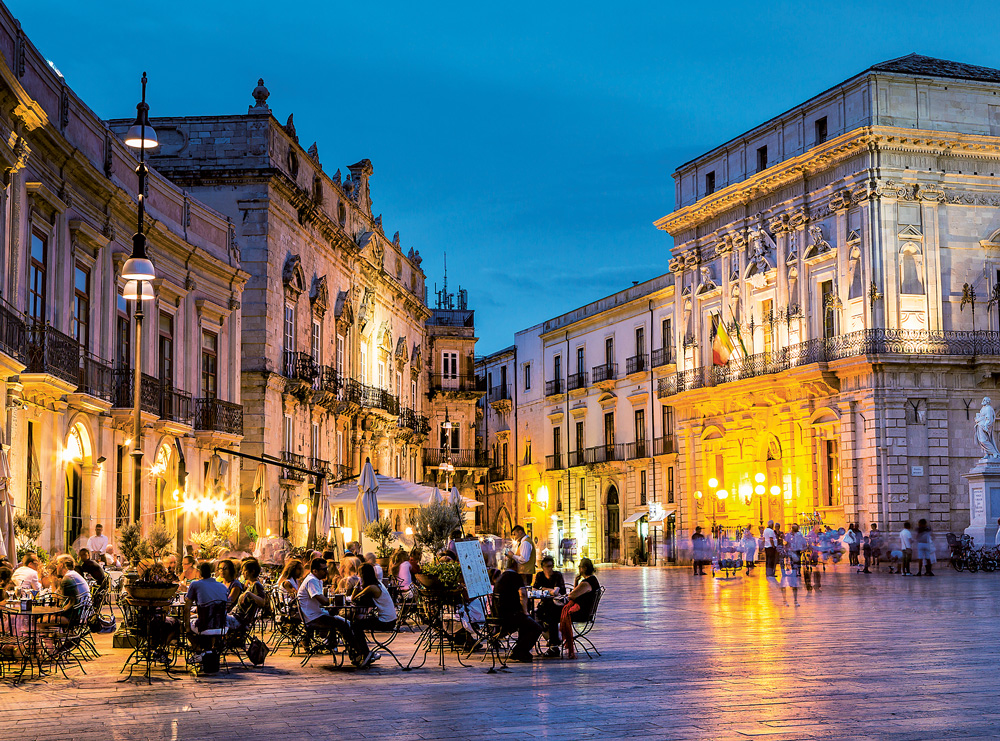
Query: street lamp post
[138,272]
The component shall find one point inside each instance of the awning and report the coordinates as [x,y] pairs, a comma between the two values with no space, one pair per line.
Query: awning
[393,493]
[666,514]
[632,519]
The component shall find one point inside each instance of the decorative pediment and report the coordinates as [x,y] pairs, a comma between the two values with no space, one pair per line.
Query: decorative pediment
[343,312]
[910,232]
[401,351]
[416,360]
[853,237]
[607,399]
[320,296]
[294,277]
[385,337]
[793,248]
[375,250]
[366,313]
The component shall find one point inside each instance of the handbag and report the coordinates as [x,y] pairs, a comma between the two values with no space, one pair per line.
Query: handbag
[257,651]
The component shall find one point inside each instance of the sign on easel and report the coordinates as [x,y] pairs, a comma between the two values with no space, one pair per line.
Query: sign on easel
[477,578]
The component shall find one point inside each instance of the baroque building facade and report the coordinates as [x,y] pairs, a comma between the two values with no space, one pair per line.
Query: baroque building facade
[342,359]
[66,335]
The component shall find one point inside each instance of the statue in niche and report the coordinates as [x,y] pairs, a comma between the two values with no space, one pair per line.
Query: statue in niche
[818,245]
[854,271]
[707,281]
[911,269]
[985,421]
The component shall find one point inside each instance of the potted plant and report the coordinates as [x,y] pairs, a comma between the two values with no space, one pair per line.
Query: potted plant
[204,543]
[131,544]
[442,577]
[433,524]
[380,532]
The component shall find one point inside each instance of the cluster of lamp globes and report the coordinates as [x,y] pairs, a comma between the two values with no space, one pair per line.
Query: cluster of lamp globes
[759,489]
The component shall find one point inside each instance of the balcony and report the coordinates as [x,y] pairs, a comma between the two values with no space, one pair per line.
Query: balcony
[606,372]
[499,393]
[457,382]
[95,377]
[664,445]
[605,454]
[663,356]
[123,385]
[503,472]
[637,364]
[554,387]
[340,472]
[908,344]
[293,459]
[215,415]
[554,462]
[299,366]
[177,406]
[637,450]
[465,458]
[320,465]
[54,353]
[576,458]
[376,398]
[577,381]
[409,419]
[327,379]
[13,333]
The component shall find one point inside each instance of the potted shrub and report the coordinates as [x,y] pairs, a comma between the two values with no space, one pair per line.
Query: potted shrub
[380,532]
[433,524]
[443,577]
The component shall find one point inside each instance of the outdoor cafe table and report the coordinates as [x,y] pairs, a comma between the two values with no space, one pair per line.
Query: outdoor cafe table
[25,627]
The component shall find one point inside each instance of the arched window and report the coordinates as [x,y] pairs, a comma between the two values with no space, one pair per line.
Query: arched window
[911,269]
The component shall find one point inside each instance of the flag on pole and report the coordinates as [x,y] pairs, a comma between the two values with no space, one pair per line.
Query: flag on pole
[722,346]
[739,337]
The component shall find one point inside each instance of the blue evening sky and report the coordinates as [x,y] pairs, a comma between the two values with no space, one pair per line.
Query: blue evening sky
[534,142]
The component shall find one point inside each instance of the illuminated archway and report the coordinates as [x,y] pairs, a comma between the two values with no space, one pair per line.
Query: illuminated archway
[77,460]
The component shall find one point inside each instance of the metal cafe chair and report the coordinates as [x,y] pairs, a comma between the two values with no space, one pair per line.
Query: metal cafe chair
[583,624]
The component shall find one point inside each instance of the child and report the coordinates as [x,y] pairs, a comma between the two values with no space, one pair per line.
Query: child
[866,552]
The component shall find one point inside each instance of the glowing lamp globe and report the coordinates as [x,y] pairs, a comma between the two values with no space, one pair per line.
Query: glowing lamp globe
[759,478]
[722,494]
[713,482]
[775,490]
[759,489]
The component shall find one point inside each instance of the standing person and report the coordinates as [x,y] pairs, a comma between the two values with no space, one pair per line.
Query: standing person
[875,539]
[524,553]
[98,542]
[698,547]
[906,546]
[925,548]
[866,552]
[749,548]
[770,550]
[854,549]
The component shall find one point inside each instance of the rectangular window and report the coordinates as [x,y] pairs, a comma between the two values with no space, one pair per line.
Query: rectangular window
[640,426]
[449,364]
[289,328]
[454,437]
[527,376]
[527,452]
[609,429]
[832,471]
[314,441]
[37,268]
[667,339]
[580,367]
[413,395]
[582,504]
[579,441]
[761,158]
[123,334]
[609,350]
[381,374]
[81,306]
[668,420]
[314,348]
[767,312]
[559,495]
[642,487]
[209,364]
[166,349]
[709,183]
[820,127]
[640,340]
[670,484]
[557,368]
[122,514]
[399,385]
[557,443]
[363,375]
[287,434]
[340,448]
[340,356]
[828,312]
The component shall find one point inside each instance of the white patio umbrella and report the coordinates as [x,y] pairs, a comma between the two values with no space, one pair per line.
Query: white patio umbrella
[8,545]
[456,496]
[325,520]
[260,498]
[436,496]
[367,502]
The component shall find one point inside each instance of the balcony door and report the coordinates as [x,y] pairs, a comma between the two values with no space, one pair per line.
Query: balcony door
[209,365]
[37,273]
[612,527]
[449,370]
[609,351]
[640,433]
[609,435]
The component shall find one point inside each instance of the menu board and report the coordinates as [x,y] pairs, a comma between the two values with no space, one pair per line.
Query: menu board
[477,579]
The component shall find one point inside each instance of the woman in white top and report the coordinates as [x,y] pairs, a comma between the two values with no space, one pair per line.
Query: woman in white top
[290,577]
[370,558]
[372,593]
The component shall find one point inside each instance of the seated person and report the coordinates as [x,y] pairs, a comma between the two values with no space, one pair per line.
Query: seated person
[74,590]
[5,583]
[26,577]
[579,604]
[251,599]
[372,593]
[189,568]
[204,592]
[290,577]
[444,556]
[510,600]
[370,558]
[226,571]
[170,565]
[89,567]
[313,604]
[547,611]
[349,578]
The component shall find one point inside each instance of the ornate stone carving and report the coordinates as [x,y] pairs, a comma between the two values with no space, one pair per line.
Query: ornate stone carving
[817,244]
[313,153]
[416,359]
[414,257]
[293,276]
[289,128]
[933,193]
[401,352]
[337,176]
[798,217]
[343,312]
[320,296]
[676,265]
[778,224]
[840,200]
[890,189]
[707,280]
[395,240]
[64,108]
[260,94]
[985,421]
[792,255]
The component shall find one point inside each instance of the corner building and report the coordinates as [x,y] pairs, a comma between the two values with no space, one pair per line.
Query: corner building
[835,241]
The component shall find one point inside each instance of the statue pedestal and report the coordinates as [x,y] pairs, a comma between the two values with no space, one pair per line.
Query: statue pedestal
[984,501]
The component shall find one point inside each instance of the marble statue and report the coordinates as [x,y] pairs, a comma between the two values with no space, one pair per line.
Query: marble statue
[985,419]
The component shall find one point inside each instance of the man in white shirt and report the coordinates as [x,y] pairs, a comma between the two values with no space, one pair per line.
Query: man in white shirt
[770,550]
[313,604]
[906,545]
[524,554]
[25,576]
[98,541]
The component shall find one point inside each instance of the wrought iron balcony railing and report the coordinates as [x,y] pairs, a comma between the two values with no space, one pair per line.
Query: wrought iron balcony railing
[638,449]
[499,393]
[501,472]
[150,391]
[299,366]
[218,416]
[293,459]
[457,382]
[636,364]
[464,458]
[327,379]
[663,356]
[13,333]
[554,462]
[413,421]
[554,387]
[318,464]
[605,453]
[50,351]
[95,377]
[176,405]
[606,372]
[576,458]
[577,381]
[340,472]
[664,445]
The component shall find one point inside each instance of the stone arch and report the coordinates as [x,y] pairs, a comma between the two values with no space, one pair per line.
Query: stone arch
[502,519]
[911,269]
[77,459]
[769,447]
[824,415]
[712,432]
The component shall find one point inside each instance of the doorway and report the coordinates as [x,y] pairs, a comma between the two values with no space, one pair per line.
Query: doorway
[74,501]
[612,527]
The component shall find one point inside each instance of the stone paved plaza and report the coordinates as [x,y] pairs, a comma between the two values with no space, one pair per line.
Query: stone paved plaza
[875,656]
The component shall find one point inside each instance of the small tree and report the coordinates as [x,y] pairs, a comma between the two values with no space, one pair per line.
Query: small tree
[159,540]
[205,543]
[380,531]
[433,523]
[27,528]
[131,544]
[227,527]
